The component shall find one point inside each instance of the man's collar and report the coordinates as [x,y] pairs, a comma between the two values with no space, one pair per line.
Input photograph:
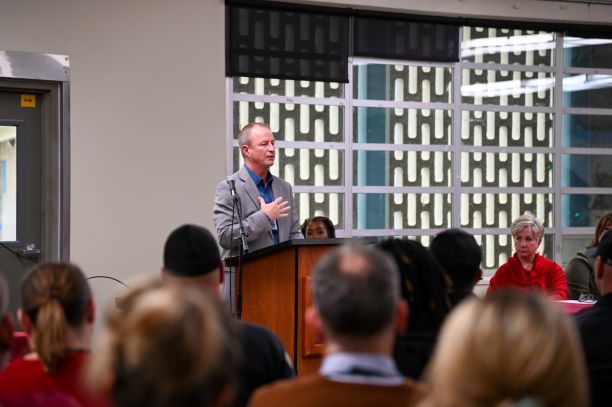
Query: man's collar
[372,368]
[256,178]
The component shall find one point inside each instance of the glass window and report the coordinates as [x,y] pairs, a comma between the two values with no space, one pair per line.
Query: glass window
[8,183]
[489,210]
[412,174]
[507,46]
[588,90]
[588,52]
[579,210]
[507,88]
[402,126]
[287,87]
[506,170]
[401,211]
[401,168]
[586,171]
[293,122]
[591,131]
[402,83]
[507,129]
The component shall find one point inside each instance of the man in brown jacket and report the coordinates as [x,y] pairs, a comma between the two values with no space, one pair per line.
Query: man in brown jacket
[357,312]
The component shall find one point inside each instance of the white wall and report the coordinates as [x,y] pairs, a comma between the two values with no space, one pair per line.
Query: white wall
[147,119]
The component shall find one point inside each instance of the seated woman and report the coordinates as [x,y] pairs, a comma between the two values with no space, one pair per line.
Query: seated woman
[526,269]
[579,270]
[425,287]
[319,227]
[508,349]
[168,346]
[57,312]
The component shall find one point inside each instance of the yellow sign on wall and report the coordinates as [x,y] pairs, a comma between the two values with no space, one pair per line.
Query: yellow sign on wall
[28,100]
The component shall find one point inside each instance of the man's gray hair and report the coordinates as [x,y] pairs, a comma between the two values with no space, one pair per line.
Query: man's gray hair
[527,220]
[244,137]
[356,290]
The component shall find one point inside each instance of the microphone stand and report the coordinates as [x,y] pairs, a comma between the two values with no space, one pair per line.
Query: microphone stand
[243,249]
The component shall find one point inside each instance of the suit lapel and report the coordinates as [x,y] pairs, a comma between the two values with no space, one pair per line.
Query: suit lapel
[249,186]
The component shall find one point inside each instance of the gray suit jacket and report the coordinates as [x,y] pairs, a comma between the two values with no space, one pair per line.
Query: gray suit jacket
[257,225]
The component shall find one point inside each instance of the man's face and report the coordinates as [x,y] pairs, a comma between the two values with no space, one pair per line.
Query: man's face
[260,152]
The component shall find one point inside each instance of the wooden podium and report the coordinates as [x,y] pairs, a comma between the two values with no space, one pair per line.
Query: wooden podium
[276,293]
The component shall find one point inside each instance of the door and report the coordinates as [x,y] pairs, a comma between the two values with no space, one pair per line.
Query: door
[20,185]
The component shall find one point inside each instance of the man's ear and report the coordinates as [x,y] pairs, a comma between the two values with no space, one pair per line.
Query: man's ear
[402,312]
[244,149]
[24,321]
[313,320]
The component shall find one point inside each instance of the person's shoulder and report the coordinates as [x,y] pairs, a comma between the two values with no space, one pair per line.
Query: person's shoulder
[283,391]
[250,328]
[600,312]
[260,337]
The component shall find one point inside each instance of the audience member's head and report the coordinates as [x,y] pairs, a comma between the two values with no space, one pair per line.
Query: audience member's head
[57,311]
[460,256]
[423,284]
[191,256]
[603,264]
[604,224]
[6,323]
[356,296]
[170,345]
[506,348]
[319,227]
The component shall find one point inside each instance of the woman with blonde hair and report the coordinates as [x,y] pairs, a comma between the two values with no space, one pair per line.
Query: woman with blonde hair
[57,313]
[168,346]
[508,349]
[527,269]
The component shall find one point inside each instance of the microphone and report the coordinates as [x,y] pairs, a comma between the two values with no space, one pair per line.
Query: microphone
[232,185]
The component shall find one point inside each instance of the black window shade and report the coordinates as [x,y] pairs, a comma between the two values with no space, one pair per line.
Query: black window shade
[406,40]
[287,44]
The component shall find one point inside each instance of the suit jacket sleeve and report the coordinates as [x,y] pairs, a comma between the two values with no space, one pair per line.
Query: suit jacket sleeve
[255,223]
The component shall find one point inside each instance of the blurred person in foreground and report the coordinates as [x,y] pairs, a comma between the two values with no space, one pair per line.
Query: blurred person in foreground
[527,269]
[425,288]
[580,271]
[357,311]
[168,346]
[595,327]
[319,227]
[191,258]
[508,349]
[57,313]
[460,256]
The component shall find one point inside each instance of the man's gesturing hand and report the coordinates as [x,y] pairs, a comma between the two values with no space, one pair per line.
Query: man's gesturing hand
[275,209]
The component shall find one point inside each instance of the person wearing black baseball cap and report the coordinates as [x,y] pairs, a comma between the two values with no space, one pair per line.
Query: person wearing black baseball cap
[595,327]
[191,257]
[460,256]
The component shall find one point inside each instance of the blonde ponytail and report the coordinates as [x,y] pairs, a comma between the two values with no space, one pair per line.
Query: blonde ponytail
[50,338]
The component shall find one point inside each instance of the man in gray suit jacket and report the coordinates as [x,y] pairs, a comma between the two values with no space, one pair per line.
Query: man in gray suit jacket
[267,201]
